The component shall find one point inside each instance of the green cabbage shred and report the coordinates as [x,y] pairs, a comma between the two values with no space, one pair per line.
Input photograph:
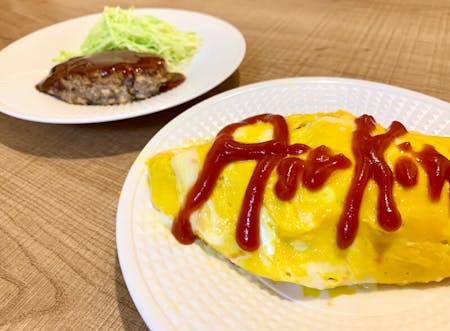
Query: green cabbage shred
[123,30]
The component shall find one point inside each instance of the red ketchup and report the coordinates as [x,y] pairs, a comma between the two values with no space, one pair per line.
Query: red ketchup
[370,164]
[312,172]
[406,171]
[437,167]
[269,154]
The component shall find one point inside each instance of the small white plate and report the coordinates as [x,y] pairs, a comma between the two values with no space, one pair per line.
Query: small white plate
[27,61]
[178,287]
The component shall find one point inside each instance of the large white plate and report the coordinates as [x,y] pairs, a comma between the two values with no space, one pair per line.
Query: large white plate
[27,61]
[178,287]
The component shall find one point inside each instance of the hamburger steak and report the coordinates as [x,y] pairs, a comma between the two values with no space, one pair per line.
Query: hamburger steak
[114,77]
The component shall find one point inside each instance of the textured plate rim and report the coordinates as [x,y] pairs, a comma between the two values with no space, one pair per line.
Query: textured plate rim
[146,304]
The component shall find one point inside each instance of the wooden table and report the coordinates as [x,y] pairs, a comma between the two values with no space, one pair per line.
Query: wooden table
[60,183]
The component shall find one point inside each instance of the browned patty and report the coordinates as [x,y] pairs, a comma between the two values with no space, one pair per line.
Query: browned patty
[109,78]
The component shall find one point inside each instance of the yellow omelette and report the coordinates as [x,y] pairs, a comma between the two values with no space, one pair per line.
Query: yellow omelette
[298,237]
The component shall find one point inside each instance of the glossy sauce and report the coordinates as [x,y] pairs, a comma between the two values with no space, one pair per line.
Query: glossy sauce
[405,147]
[312,172]
[226,150]
[269,154]
[107,63]
[370,164]
[437,167]
[406,171]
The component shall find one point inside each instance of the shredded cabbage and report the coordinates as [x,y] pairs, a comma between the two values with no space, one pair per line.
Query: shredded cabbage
[123,30]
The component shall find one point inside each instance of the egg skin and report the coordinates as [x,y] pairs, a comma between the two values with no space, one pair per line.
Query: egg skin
[298,237]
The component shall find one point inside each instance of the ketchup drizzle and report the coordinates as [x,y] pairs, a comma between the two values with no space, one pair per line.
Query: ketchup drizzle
[437,167]
[319,166]
[405,147]
[223,151]
[312,172]
[247,229]
[289,172]
[370,164]
[269,154]
[406,171]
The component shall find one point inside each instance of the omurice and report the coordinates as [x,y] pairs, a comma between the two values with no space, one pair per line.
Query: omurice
[322,200]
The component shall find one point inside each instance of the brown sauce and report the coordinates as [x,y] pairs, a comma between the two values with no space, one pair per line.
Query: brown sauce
[107,63]
[175,79]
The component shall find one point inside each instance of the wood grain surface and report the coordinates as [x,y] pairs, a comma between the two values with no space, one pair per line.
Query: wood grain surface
[60,183]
